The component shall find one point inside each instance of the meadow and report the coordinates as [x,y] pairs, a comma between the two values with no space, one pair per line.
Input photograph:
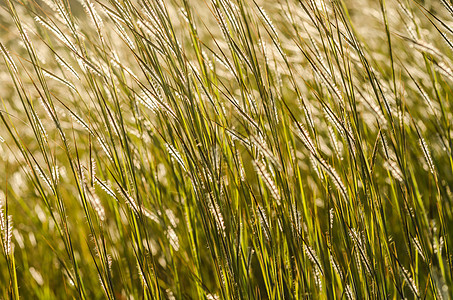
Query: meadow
[226,149]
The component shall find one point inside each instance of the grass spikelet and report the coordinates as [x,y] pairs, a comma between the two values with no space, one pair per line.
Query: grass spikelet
[44,177]
[51,76]
[411,283]
[175,155]
[96,203]
[360,250]
[425,47]
[37,276]
[267,20]
[41,128]
[258,142]
[316,166]
[348,292]
[173,238]
[263,222]
[91,11]
[418,247]
[142,276]
[218,217]
[105,187]
[334,121]
[393,168]
[335,266]
[311,254]
[317,270]
[335,178]
[149,101]
[305,137]
[427,155]
[261,169]
[57,33]
[104,147]
[8,58]
[132,203]
[66,66]
[212,297]
[6,230]
[444,69]
[338,148]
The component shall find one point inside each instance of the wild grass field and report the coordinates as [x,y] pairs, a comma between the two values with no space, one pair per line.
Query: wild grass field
[226,149]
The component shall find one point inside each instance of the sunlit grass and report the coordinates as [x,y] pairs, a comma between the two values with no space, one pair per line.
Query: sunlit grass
[226,149]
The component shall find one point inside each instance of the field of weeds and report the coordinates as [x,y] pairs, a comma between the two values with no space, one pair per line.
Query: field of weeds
[226,149]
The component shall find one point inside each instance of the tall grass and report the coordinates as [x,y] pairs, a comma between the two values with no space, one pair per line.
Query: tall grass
[226,149]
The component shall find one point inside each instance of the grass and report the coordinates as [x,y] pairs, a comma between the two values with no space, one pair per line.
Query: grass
[226,149]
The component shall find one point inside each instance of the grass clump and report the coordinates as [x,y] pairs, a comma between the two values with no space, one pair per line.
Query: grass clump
[226,149]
